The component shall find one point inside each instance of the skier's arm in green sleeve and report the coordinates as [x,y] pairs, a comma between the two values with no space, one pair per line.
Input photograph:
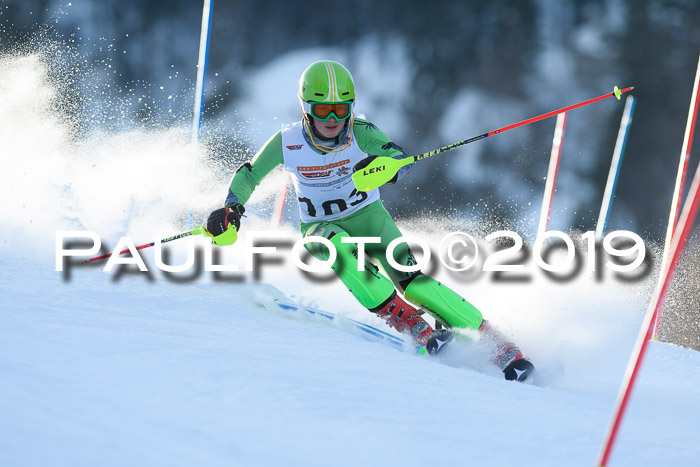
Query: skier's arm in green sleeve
[374,142]
[249,175]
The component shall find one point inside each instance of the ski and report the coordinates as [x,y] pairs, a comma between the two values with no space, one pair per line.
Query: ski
[375,333]
[544,375]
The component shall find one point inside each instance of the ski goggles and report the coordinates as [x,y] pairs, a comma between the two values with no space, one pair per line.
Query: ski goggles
[323,111]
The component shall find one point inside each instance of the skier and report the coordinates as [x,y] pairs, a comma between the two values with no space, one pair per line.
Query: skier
[321,152]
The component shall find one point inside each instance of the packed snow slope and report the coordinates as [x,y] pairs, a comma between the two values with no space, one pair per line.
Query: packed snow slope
[132,368]
[98,371]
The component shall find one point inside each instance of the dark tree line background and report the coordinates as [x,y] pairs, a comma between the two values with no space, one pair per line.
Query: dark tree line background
[520,58]
[501,49]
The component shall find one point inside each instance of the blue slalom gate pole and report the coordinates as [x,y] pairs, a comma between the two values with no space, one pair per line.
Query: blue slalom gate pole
[201,73]
[615,167]
[202,68]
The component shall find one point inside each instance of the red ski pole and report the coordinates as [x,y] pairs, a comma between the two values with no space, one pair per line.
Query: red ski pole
[196,231]
[382,169]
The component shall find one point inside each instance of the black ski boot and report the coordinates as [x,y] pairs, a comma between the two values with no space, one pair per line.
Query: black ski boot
[507,356]
[519,370]
[437,341]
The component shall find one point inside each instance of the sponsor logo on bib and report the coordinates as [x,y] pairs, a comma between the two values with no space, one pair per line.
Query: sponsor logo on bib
[316,172]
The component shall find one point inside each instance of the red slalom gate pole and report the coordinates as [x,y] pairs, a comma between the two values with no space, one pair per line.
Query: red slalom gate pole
[685,225]
[680,179]
[552,172]
[276,219]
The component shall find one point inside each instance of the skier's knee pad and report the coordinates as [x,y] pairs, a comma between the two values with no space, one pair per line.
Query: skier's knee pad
[330,232]
[404,283]
[445,305]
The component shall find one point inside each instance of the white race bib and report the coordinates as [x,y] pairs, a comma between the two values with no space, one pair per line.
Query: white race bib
[323,183]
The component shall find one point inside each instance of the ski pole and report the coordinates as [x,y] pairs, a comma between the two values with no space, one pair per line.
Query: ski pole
[196,231]
[382,169]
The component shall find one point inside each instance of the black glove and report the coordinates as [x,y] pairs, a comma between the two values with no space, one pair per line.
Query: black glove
[222,219]
[367,161]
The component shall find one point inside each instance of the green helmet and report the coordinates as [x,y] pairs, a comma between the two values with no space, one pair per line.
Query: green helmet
[326,81]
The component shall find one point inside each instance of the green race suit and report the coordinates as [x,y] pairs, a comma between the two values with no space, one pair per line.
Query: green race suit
[335,219]
[368,137]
